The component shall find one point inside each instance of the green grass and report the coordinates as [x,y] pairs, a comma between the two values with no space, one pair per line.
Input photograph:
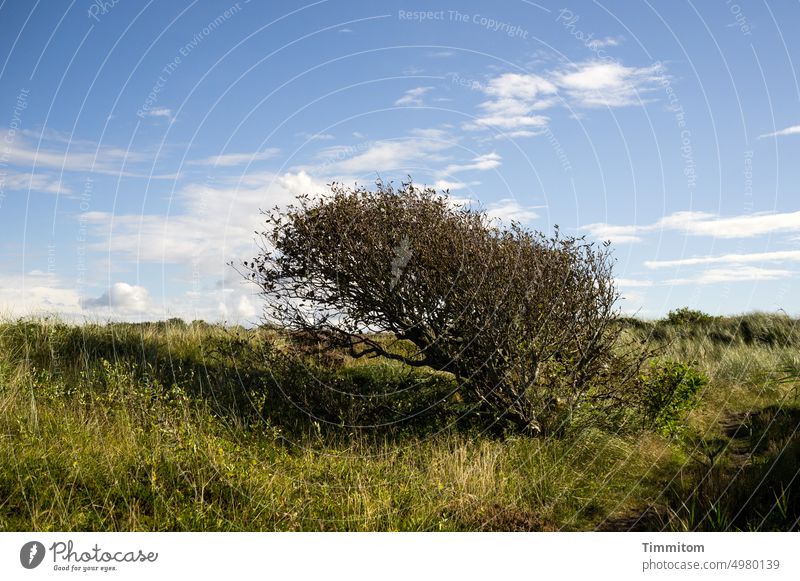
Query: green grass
[168,426]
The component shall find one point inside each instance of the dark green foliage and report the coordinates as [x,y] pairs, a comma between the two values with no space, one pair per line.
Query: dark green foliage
[763,330]
[686,316]
[671,390]
[771,329]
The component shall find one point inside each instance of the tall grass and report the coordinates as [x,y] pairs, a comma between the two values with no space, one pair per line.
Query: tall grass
[168,426]
[126,458]
[744,443]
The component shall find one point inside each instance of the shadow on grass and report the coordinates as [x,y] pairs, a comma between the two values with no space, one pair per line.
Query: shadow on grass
[245,376]
[747,481]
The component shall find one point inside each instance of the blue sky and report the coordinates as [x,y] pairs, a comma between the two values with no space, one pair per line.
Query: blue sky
[139,141]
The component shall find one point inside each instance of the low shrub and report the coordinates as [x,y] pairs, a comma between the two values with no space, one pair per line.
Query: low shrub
[670,390]
[687,316]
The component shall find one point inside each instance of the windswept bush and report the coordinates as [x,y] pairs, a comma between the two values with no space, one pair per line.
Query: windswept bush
[526,323]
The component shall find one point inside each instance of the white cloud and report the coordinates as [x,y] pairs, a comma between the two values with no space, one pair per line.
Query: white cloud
[616,234]
[36,293]
[24,182]
[743,226]
[734,274]
[413,97]
[301,183]
[502,212]
[632,303]
[121,298]
[483,162]
[245,308]
[510,121]
[633,283]
[608,83]
[412,71]
[214,223]
[41,293]
[234,159]
[441,185]
[159,112]
[519,87]
[430,133]
[793,130]
[702,224]
[508,209]
[517,100]
[236,305]
[604,42]
[380,156]
[755,257]
[518,133]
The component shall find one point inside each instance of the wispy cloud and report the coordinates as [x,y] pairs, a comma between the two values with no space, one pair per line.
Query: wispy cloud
[160,112]
[734,274]
[599,43]
[67,155]
[421,150]
[234,159]
[405,153]
[413,97]
[750,258]
[633,283]
[23,182]
[509,209]
[431,133]
[503,211]
[441,185]
[316,136]
[793,130]
[442,54]
[701,224]
[483,162]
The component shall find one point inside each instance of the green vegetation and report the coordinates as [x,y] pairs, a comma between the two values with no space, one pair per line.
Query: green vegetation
[671,391]
[175,426]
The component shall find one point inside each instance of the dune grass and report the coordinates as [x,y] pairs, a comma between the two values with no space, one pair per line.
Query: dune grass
[176,427]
